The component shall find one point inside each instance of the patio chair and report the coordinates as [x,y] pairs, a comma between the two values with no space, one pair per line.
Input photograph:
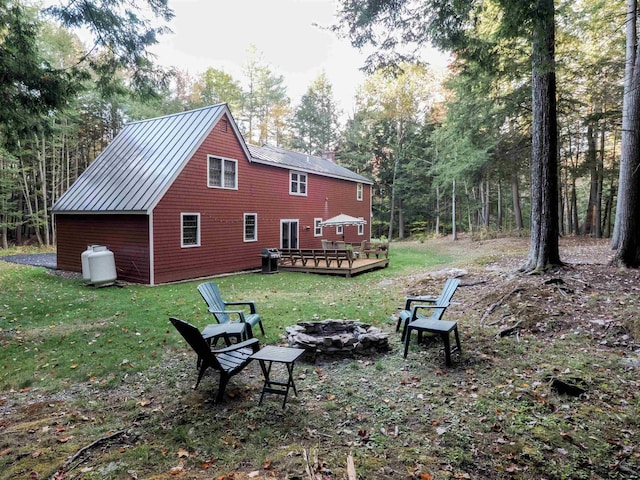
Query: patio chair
[219,308]
[437,305]
[228,361]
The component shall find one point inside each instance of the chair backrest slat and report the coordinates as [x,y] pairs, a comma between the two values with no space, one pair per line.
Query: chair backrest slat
[211,296]
[195,339]
[448,291]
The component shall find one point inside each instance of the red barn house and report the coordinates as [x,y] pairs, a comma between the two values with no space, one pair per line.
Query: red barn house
[183,196]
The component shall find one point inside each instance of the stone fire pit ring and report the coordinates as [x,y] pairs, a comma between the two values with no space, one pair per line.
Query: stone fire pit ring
[338,337]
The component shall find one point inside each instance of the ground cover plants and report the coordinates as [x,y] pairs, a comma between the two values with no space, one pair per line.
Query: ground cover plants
[95,383]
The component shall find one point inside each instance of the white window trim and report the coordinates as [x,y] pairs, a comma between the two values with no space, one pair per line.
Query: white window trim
[244,228]
[198,228]
[306,183]
[359,192]
[224,160]
[361,229]
[317,229]
[339,229]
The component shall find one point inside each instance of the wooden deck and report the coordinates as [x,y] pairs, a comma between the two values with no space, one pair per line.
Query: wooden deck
[359,265]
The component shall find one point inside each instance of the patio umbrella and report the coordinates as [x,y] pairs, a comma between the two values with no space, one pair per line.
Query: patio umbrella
[343,220]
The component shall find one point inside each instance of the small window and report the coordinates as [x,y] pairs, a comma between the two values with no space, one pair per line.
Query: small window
[298,183]
[223,173]
[359,192]
[361,229]
[250,227]
[190,229]
[317,229]
[339,229]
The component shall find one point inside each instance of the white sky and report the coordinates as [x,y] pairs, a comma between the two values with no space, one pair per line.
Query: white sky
[215,33]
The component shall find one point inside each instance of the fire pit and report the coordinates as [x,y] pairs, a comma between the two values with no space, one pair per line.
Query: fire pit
[338,337]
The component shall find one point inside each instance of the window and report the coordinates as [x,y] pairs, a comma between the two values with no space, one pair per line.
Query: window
[298,183]
[190,229]
[317,229]
[361,229]
[359,192]
[250,227]
[223,173]
[339,229]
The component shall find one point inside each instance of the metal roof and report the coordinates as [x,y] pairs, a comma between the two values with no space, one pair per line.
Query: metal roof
[300,161]
[141,162]
[136,169]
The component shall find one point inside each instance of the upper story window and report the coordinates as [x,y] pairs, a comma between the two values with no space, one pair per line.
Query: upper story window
[297,183]
[317,229]
[190,229]
[250,227]
[359,189]
[223,173]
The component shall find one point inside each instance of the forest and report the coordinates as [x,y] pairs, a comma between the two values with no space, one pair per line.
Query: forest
[447,152]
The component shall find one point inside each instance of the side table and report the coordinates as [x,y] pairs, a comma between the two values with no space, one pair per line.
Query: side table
[212,333]
[272,354]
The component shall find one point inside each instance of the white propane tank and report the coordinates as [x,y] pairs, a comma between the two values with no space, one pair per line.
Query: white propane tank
[102,266]
[86,275]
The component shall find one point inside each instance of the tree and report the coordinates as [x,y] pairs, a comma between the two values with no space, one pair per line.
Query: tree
[315,120]
[216,86]
[265,100]
[121,31]
[29,85]
[626,236]
[390,25]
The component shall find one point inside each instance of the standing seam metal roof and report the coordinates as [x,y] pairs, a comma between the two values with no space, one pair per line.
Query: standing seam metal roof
[139,165]
[135,170]
[280,157]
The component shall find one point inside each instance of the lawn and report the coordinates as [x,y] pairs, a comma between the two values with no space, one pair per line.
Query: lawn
[95,383]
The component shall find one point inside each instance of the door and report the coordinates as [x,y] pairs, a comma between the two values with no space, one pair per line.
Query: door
[288,233]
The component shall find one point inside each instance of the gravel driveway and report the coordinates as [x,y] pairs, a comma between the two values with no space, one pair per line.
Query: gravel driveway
[47,260]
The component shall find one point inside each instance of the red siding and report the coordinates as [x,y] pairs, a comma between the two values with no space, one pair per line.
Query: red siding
[127,236]
[263,190]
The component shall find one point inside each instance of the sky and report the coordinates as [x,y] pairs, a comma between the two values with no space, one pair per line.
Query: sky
[288,35]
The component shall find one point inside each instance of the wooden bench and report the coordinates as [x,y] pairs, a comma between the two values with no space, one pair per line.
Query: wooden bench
[317,256]
[378,249]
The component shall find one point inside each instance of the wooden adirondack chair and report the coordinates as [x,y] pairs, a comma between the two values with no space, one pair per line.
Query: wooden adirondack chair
[228,361]
[437,305]
[219,308]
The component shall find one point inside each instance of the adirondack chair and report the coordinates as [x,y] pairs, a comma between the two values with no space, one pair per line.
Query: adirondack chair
[437,306]
[228,361]
[219,308]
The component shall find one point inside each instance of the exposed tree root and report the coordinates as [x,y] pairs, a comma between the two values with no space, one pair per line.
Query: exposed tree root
[74,457]
[495,305]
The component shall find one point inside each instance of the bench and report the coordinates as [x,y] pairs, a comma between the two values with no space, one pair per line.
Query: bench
[378,249]
[317,256]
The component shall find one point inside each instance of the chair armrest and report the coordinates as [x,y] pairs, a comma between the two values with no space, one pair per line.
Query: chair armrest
[252,343]
[410,300]
[251,305]
[240,313]
[414,309]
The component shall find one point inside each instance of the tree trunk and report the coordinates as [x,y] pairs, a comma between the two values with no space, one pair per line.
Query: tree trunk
[627,226]
[515,194]
[454,235]
[499,213]
[590,216]
[544,249]
[437,210]
[393,198]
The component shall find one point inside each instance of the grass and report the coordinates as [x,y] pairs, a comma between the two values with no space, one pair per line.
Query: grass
[81,365]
